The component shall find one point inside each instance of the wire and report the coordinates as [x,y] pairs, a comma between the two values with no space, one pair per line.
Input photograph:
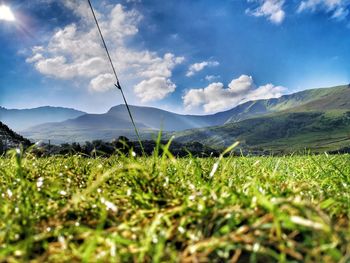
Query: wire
[118,86]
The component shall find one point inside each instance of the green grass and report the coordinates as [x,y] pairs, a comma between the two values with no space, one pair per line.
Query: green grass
[163,209]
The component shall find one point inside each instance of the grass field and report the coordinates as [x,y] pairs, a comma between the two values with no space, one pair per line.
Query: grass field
[163,209]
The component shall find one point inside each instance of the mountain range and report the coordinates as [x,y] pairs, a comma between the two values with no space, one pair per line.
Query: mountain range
[22,119]
[316,118]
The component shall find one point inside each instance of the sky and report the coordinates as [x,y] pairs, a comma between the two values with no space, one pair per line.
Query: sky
[186,56]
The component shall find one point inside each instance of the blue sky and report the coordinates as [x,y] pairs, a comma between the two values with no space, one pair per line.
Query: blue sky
[198,56]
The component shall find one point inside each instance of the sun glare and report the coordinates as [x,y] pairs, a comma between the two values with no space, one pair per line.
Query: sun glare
[6,13]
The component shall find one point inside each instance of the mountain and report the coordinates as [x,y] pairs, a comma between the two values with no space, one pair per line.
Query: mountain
[10,139]
[87,127]
[314,119]
[19,120]
[331,102]
[168,121]
[322,99]
[116,122]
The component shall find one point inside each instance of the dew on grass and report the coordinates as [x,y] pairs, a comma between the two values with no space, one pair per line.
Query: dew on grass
[101,255]
[63,242]
[215,168]
[40,182]
[62,192]
[254,201]
[181,229]
[9,193]
[213,195]
[193,237]
[200,207]
[155,239]
[113,250]
[192,187]
[256,247]
[228,216]
[109,205]
[18,253]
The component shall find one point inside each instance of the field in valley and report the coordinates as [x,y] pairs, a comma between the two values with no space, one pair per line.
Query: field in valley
[166,209]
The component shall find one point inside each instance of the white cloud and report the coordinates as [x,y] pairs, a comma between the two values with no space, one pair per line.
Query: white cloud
[160,66]
[35,58]
[75,52]
[212,77]
[339,9]
[102,82]
[216,97]
[156,88]
[197,67]
[271,9]
[242,84]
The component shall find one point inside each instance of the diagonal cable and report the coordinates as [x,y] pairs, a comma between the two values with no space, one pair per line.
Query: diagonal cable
[117,85]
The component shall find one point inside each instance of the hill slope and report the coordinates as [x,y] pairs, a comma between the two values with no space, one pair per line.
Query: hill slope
[323,99]
[286,132]
[23,119]
[10,139]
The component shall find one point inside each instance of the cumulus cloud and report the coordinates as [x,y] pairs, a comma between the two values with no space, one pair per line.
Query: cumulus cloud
[75,51]
[102,82]
[154,89]
[339,9]
[216,96]
[271,9]
[197,67]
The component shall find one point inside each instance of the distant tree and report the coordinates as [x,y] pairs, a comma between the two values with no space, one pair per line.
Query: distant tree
[122,144]
[65,148]
[87,148]
[76,147]
[1,147]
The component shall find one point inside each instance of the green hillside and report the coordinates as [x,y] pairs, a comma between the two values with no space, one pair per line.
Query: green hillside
[284,132]
[317,120]
[322,99]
